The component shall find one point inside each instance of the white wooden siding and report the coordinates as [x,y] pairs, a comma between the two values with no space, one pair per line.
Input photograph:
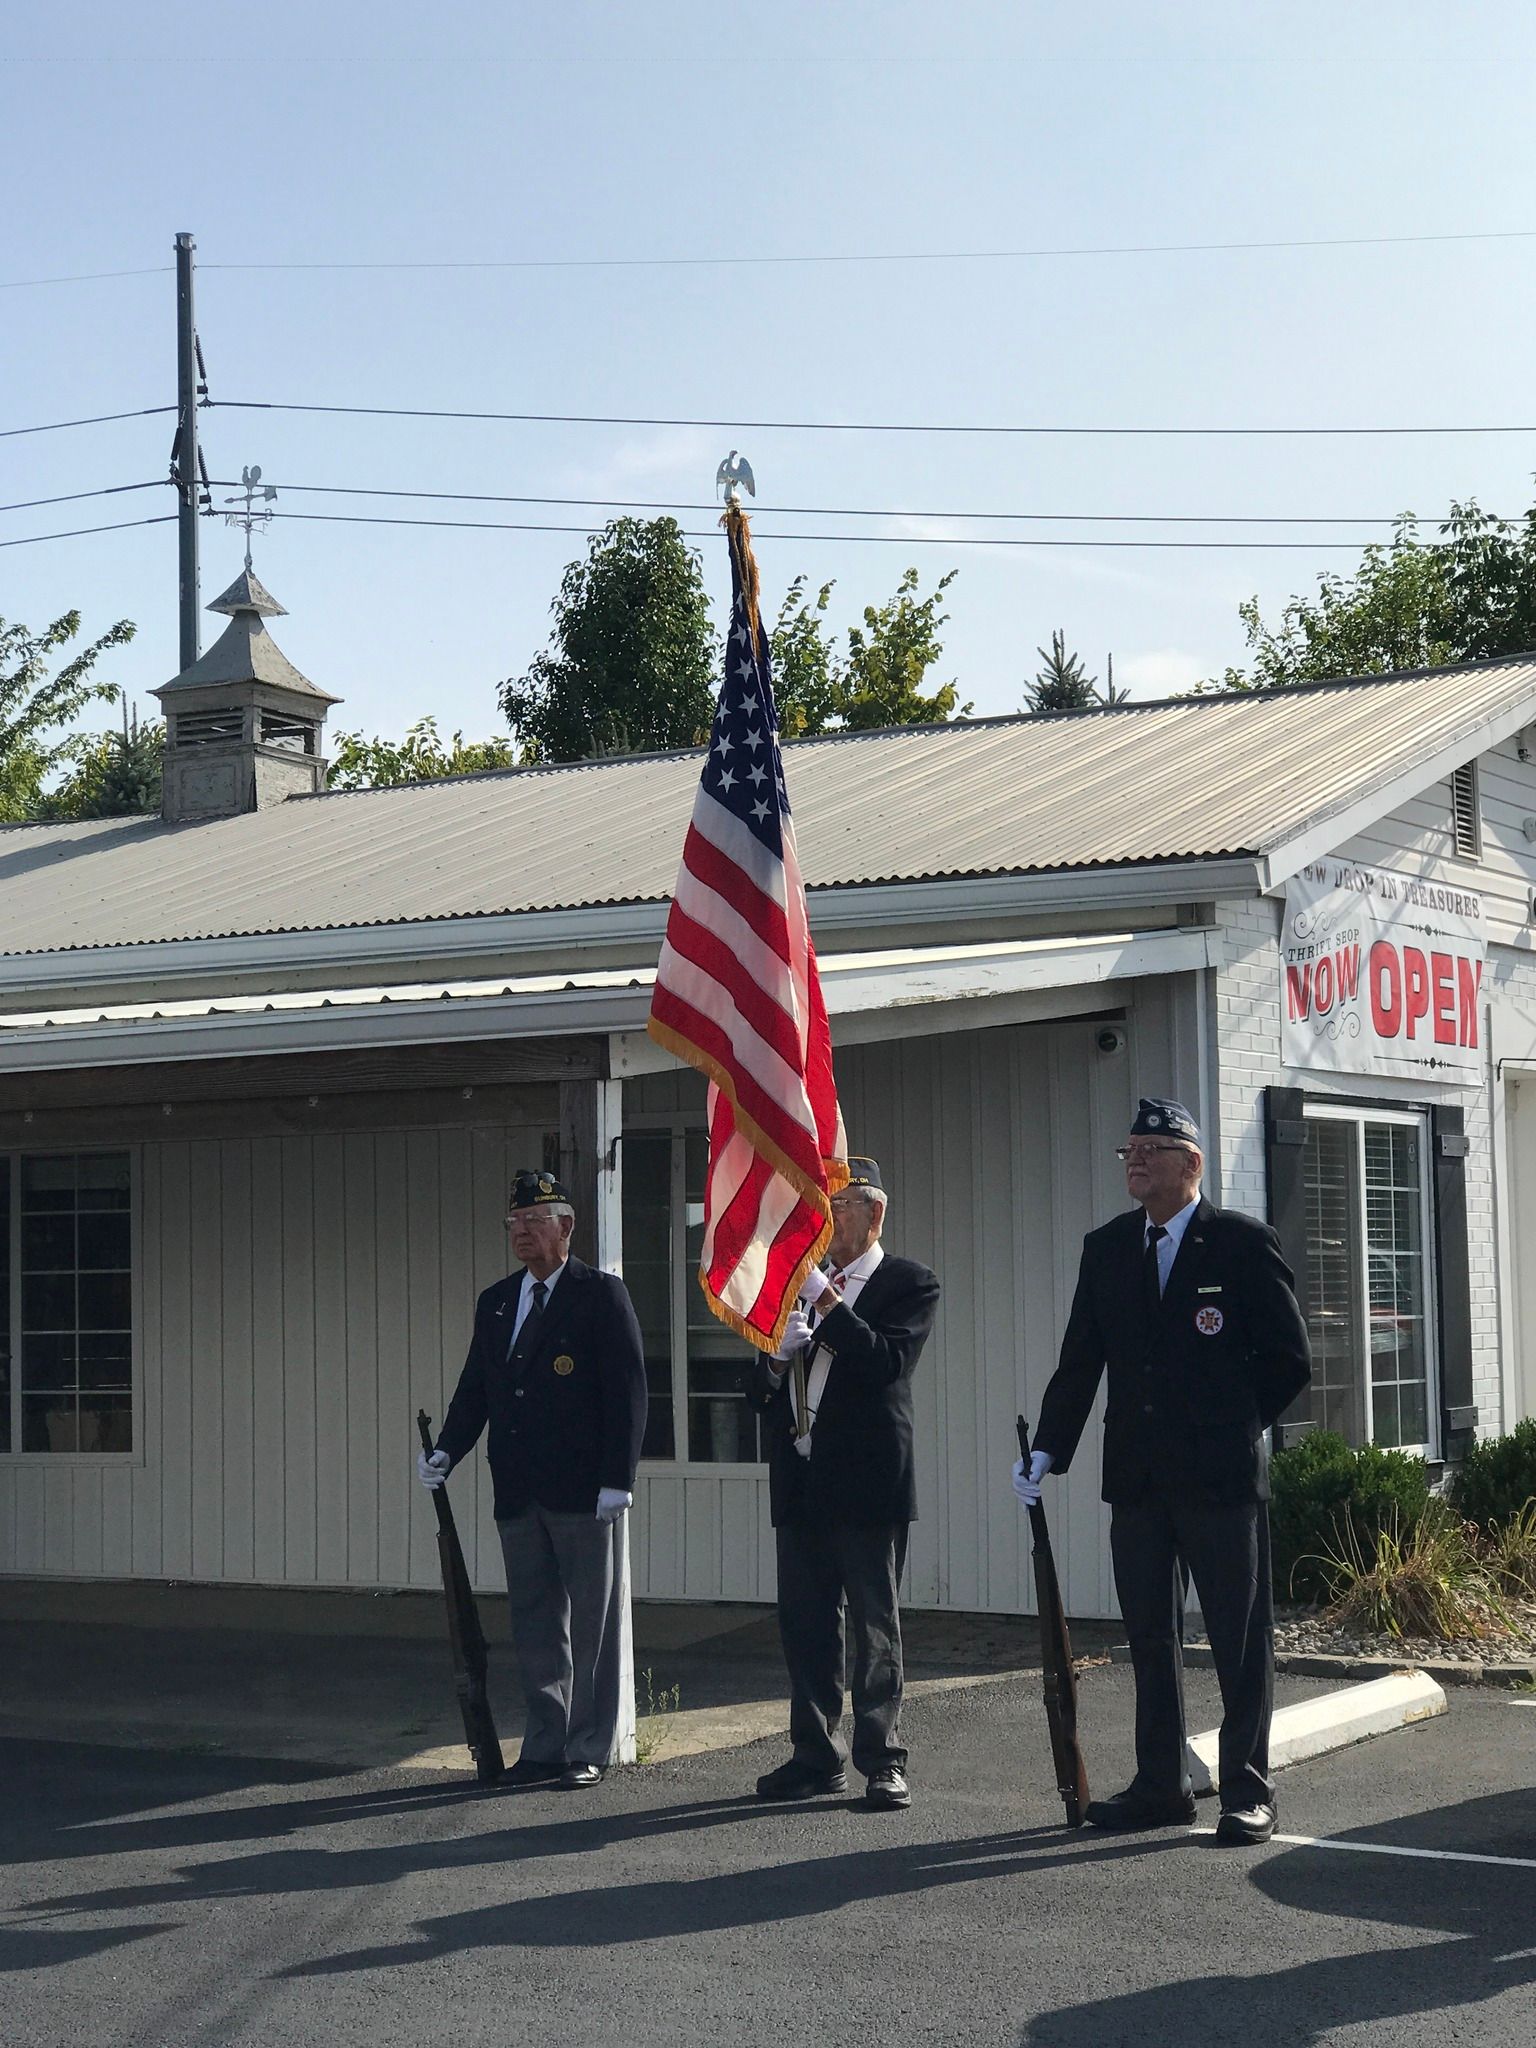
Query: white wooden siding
[1420,834]
[298,1298]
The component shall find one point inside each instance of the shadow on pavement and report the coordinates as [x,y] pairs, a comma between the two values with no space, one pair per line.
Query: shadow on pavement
[1493,1910]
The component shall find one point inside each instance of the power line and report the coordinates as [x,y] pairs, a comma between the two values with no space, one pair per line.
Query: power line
[736,262]
[155,483]
[582,419]
[837,511]
[914,540]
[31,539]
[21,284]
[96,420]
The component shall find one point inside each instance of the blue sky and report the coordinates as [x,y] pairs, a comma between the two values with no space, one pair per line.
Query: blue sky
[330,134]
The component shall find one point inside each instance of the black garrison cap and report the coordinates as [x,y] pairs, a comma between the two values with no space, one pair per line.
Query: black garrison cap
[1157,1118]
[865,1173]
[532,1190]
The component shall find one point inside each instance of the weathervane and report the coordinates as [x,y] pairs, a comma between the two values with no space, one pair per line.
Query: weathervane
[254,494]
[732,474]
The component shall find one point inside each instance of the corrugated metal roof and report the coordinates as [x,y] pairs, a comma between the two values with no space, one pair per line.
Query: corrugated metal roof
[1191,779]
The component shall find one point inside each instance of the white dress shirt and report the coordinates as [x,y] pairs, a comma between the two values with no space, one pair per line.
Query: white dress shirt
[818,1359]
[525,1301]
[1168,1246]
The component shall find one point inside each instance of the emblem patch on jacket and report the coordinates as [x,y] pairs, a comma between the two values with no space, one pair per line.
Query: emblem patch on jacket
[1208,1321]
[565,1364]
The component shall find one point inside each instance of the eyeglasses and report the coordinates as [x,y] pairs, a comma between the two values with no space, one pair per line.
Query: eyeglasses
[1146,1151]
[841,1202]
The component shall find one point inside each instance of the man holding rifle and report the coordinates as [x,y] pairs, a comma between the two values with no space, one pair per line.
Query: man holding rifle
[1191,1308]
[556,1369]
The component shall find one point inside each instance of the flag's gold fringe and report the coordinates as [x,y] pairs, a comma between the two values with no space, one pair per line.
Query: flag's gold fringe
[739,534]
[836,1171]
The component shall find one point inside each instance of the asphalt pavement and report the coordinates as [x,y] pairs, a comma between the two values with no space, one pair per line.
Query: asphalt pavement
[154,1898]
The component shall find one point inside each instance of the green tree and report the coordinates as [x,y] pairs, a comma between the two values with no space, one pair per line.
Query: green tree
[807,685]
[1411,603]
[37,707]
[633,664]
[115,774]
[1062,684]
[889,657]
[362,763]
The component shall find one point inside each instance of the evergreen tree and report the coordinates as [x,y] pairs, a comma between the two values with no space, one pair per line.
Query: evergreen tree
[1063,684]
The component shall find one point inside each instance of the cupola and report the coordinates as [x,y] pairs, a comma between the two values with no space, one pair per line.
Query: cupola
[242,726]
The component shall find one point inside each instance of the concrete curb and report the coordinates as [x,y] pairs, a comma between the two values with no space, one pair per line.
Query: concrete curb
[1338,1720]
[1335,1664]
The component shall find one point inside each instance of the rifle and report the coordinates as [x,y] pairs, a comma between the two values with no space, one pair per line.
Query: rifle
[466,1638]
[1056,1662]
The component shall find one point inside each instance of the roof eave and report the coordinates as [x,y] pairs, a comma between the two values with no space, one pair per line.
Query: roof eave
[441,941]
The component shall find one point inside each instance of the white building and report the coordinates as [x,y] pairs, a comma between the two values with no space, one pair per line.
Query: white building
[266,1072]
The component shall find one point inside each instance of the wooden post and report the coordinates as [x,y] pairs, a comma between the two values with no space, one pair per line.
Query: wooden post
[606,1100]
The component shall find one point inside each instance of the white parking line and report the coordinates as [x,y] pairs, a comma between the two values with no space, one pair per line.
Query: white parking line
[1389,1849]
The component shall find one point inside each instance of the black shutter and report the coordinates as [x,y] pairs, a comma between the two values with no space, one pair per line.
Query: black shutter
[1448,1144]
[1285,1154]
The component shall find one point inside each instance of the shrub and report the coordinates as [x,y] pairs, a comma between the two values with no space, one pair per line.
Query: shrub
[1509,1551]
[1326,1497]
[1429,1582]
[1496,1480]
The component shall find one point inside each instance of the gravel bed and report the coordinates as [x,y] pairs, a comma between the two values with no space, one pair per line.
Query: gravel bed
[1308,1631]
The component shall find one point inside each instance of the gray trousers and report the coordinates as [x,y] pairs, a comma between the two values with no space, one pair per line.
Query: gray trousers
[562,1586]
[829,1577]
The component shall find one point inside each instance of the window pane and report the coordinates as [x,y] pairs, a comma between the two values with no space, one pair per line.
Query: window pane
[48,1422]
[647,1227]
[1399,1332]
[5,1304]
[722,1429]
[1336,1398]
[76,1365]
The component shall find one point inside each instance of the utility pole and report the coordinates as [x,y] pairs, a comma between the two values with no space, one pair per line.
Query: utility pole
[186,463]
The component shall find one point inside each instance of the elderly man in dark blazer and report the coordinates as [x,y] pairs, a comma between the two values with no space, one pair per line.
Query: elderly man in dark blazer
[1192,1310]
[838,1407]
[556,1371]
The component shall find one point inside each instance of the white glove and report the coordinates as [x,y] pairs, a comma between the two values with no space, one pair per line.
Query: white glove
[1026,1485]
[797,1334]
[814,1286]
[611,1503]
[434,1470]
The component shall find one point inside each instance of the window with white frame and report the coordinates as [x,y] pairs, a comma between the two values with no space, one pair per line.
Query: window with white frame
[695,1366]
[66,1303]
[1370,1310]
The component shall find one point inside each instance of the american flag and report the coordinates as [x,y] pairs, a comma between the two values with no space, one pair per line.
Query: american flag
[738,996]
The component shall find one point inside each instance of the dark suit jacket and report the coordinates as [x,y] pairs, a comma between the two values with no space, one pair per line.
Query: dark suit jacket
[1194,1383]
[567,1413]
[859,1472]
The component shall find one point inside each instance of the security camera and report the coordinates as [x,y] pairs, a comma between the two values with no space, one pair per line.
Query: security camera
[1111,1039]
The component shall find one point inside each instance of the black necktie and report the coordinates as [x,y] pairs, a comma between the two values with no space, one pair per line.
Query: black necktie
[1152,1286]
[536,1306]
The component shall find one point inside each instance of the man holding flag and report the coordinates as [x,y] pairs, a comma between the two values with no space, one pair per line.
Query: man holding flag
[738,996]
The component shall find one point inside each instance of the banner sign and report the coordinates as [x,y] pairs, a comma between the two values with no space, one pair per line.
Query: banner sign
[1381,973]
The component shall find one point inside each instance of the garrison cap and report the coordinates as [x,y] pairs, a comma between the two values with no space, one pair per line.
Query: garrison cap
[865,1173]
[1157,1118]
[532,1190]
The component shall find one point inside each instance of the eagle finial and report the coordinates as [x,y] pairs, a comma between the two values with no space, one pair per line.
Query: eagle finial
[732,474]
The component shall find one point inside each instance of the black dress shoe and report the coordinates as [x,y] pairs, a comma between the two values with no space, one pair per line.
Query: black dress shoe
[1132,1809]
[887,1788]
[1243,1826]
[576,1777]
[800,1781]
[533,1770]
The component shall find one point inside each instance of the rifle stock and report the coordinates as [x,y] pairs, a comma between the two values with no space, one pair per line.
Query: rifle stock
[1056,1662]
[466,1638]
